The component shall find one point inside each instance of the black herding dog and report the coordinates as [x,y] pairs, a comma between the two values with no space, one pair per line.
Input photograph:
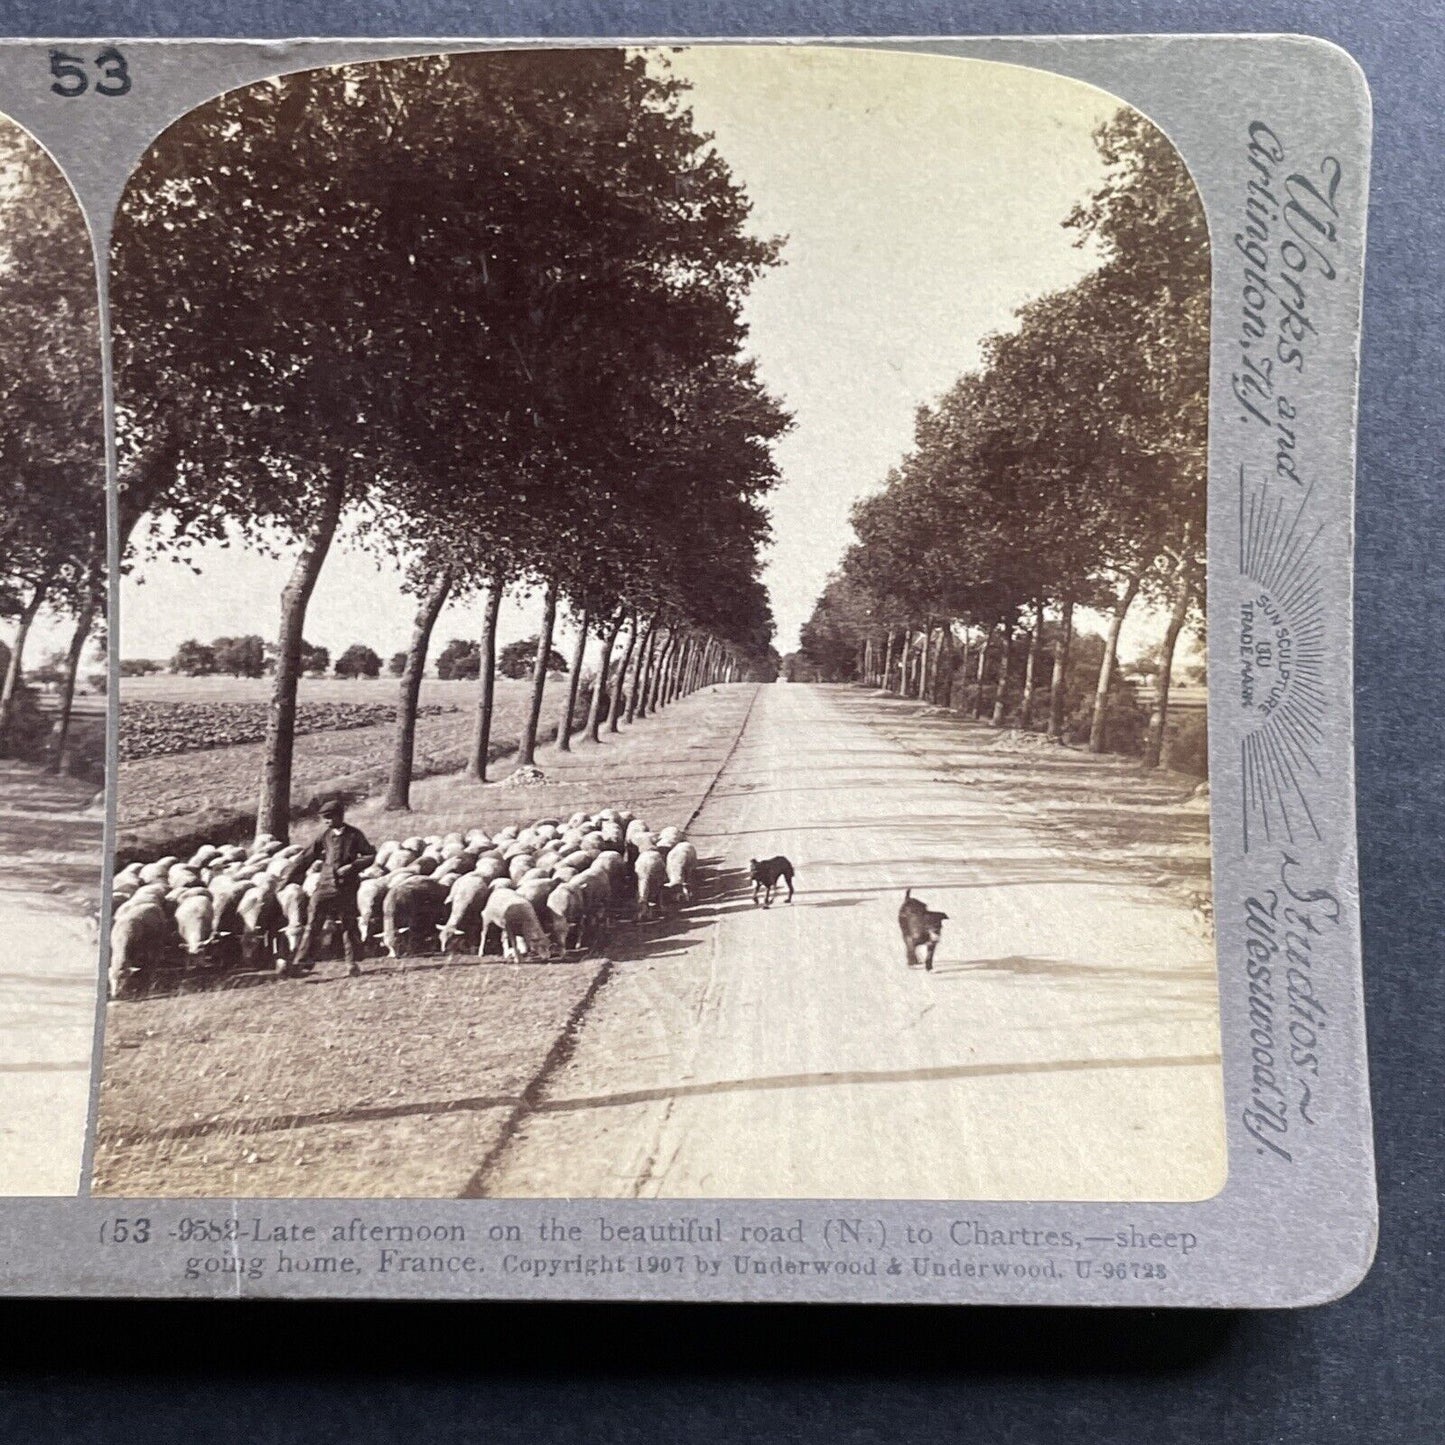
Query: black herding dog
[919,926]
[766,874]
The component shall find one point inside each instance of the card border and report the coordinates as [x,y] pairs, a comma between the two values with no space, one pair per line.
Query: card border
[1314,89]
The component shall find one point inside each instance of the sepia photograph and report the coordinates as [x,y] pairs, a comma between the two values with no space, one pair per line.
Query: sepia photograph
[662,636]
[53,671]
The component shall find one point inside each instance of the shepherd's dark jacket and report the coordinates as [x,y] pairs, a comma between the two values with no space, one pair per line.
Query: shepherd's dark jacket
[343,854]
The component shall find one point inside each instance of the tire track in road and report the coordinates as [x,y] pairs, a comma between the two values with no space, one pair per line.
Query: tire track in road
[478,1186]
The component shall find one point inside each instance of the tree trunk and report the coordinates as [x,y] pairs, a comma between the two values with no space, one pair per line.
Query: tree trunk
[574,683]
[614,711]
[10,689]
[599,683]
[135,497]
[398,791]
[689,666]
[273,812]
[978,702]
[1159,723]
[1059,687]
[1000,699]
[644,672]
[1031,669]
[659,672]
[1097,725]
[964,659]
[478,762]
[923,659]
[668,671]
[674,670]
[61,739]
[887,661]
[635,691]
[656,654]
[943,664]
[527,751]
[903,662]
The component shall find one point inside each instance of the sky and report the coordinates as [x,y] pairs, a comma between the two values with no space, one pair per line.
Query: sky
[921,199]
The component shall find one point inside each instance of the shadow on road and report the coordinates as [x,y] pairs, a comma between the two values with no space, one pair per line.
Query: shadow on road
[1022,966]
[673,935]
[49,838]
[834,1078]
[663,1093]
[1109,800]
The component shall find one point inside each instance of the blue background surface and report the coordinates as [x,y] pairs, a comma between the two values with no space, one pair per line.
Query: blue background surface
[1366,1369]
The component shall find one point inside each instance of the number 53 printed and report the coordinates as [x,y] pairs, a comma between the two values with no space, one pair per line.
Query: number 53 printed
[73,79]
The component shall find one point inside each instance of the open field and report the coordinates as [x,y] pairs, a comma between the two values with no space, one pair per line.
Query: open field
[163,729]
[165,688]
[209,796]
[402,1081]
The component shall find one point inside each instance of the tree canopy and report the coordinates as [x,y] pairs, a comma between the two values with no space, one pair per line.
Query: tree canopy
[1068,470]
[52,441]
[488,307]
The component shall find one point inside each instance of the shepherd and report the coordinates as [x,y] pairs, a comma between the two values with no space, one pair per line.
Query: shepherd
[343,853]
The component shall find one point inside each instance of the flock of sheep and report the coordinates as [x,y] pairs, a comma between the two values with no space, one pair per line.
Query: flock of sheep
[534,892]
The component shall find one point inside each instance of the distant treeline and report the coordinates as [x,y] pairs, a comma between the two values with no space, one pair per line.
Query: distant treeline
[253,656]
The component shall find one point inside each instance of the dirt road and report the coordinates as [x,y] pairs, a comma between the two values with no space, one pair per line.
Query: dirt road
[1065,1046]
[49,972]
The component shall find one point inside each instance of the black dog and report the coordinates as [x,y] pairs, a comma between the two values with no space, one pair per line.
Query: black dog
[919,926]
[766,874]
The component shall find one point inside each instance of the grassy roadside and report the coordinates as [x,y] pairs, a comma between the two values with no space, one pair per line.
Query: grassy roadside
[397,1083]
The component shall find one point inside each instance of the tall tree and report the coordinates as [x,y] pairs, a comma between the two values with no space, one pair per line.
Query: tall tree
[413,670]
[52,468]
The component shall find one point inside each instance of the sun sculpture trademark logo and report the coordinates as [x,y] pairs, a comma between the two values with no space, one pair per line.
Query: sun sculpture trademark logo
[1281,630]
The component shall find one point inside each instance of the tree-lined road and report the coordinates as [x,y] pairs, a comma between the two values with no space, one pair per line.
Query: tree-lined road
[1065,1046]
